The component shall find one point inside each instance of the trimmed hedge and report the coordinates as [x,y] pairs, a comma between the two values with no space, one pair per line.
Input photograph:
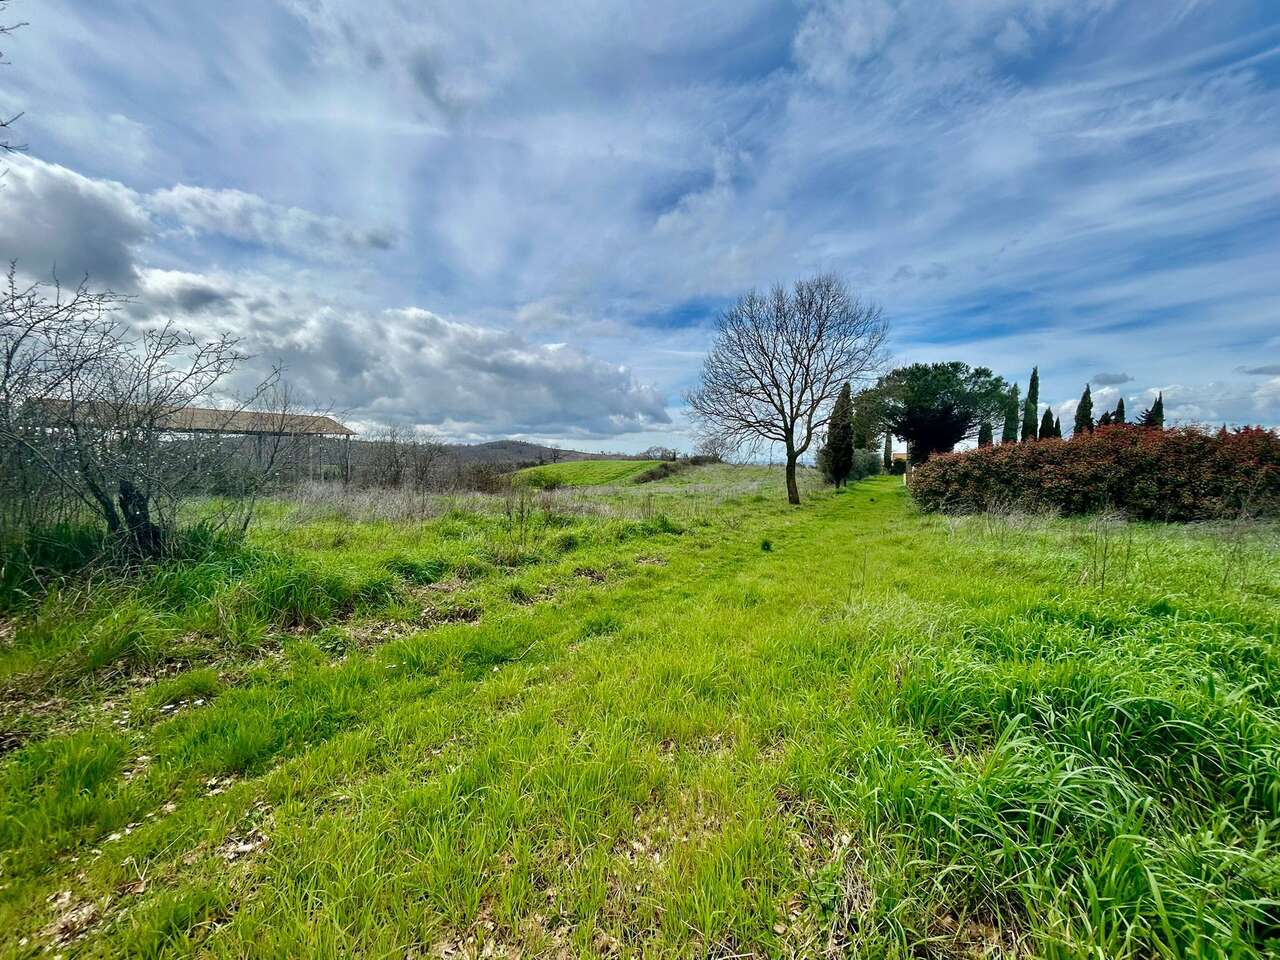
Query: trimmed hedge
[1182,474]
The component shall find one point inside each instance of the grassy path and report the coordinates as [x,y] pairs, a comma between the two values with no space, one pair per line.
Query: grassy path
[885,734]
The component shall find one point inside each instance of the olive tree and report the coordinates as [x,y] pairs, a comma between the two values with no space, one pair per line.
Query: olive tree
[778,361]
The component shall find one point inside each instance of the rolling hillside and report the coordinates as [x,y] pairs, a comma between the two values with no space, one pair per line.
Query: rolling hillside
[584,473]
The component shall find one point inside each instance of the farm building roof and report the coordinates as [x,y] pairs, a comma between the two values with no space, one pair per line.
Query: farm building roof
[202,419]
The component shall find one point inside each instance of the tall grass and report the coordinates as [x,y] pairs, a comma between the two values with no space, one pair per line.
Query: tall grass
[560,733]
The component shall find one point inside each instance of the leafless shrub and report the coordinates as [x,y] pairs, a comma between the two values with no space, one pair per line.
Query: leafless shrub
[1108,549]
[493,478]
[658,452]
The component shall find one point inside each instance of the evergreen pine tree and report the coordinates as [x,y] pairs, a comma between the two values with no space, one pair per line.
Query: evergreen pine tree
[1084,412]
[1118,416]
[1010,432]
[985,435]
[836,456]
[1030,406]
[1057,427]
[888,452]
[1046,424]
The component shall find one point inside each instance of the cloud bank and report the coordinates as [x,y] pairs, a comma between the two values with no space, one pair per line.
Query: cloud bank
[1085,186]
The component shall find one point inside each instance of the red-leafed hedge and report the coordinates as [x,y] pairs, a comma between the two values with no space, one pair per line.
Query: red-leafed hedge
[1182,474]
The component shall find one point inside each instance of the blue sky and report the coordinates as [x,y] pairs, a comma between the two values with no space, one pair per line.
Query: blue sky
[497,219]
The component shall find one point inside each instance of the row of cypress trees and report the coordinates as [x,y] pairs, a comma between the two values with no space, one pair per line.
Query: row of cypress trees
[852,434]
[1050,425]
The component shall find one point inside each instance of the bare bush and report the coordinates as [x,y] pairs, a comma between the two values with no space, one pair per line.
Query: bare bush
[657,452]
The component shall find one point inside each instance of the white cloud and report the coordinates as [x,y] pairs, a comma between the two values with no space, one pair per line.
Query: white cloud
[409,364]
[54,219]
[837,34]
[251,219]
[1013,38]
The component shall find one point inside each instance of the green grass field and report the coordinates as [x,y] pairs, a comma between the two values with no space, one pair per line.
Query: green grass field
[583,473]
[688,722]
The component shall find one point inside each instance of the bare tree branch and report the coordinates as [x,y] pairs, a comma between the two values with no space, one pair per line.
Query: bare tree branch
[6,123]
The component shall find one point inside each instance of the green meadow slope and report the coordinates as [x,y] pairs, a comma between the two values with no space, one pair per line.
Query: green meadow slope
[717,726]
[583,473]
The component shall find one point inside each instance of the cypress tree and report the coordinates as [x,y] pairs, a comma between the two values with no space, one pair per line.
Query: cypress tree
[1105,419]
[1084,412]
[866,424]
[1153,416]
[861,438]
[888,452]
[1118,416]
[1057,427]
[1046,424]
[1010,432]
[836,455]
[985,436]
[1030,406]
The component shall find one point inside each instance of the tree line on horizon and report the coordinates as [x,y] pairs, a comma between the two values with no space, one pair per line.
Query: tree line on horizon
[935,406]
[782,368]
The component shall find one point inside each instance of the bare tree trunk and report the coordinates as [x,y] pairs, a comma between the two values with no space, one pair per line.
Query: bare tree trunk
[793,491]
[148,539]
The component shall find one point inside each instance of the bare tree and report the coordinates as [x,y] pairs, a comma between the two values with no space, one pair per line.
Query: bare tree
[426,456]
[659,452]
[387,462]
[779,360]
[97,419]
[712,446]
[49,337]
[399,456]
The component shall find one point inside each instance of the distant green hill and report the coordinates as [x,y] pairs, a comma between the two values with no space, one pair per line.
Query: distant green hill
[583,473]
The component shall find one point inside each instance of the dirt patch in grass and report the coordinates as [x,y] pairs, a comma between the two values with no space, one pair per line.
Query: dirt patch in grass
[523,595]
[824,918]
[454,613]
[242,845]
[73,919]
[973,938]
